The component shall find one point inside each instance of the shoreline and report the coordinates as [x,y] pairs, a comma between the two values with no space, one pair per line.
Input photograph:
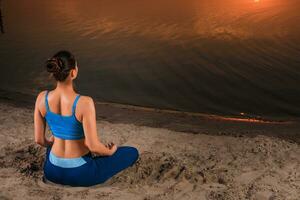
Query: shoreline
[202,162]
[194,123]
[6,95]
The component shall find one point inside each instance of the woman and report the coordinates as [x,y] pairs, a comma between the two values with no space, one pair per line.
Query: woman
[72,121]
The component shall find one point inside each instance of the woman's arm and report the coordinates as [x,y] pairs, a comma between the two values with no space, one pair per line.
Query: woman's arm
[90,129]
[40,124]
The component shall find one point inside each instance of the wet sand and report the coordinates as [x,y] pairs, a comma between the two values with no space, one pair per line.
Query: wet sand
[181,157]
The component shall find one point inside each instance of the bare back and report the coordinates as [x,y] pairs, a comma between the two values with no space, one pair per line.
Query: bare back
[61,103]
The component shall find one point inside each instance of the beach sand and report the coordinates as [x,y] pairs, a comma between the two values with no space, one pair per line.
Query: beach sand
[208,159]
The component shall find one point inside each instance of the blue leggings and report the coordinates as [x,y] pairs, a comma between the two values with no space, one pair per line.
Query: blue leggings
[95,170]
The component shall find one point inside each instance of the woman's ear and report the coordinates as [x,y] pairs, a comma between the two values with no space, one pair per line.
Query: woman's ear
[74,73]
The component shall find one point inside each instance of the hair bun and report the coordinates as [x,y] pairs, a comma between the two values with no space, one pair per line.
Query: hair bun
[54,65]
[60,65]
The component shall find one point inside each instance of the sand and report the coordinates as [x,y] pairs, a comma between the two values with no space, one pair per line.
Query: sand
[172,165]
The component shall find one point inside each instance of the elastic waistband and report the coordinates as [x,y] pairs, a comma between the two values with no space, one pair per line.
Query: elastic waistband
[67,162]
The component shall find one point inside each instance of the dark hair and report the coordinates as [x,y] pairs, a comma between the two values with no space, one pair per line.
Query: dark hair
[61,64]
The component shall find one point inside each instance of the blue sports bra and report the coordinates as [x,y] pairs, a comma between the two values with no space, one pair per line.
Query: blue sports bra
[64,127]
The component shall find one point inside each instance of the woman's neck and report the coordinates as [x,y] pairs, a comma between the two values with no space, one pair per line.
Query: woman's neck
[65,86]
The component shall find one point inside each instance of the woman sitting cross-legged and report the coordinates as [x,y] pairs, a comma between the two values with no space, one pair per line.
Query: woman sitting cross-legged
[72,121]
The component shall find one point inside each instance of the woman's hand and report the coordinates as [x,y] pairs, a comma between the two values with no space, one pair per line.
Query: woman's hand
[112,147]
[109,145]
[50,141]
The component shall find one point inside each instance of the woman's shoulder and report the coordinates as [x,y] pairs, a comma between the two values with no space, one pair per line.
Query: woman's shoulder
[85,104]
[41,95]
[40,101]
[86,101]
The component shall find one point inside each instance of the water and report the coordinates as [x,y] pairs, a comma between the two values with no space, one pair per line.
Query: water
[223,57]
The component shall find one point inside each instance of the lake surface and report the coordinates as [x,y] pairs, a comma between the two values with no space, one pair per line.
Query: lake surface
[223,57]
